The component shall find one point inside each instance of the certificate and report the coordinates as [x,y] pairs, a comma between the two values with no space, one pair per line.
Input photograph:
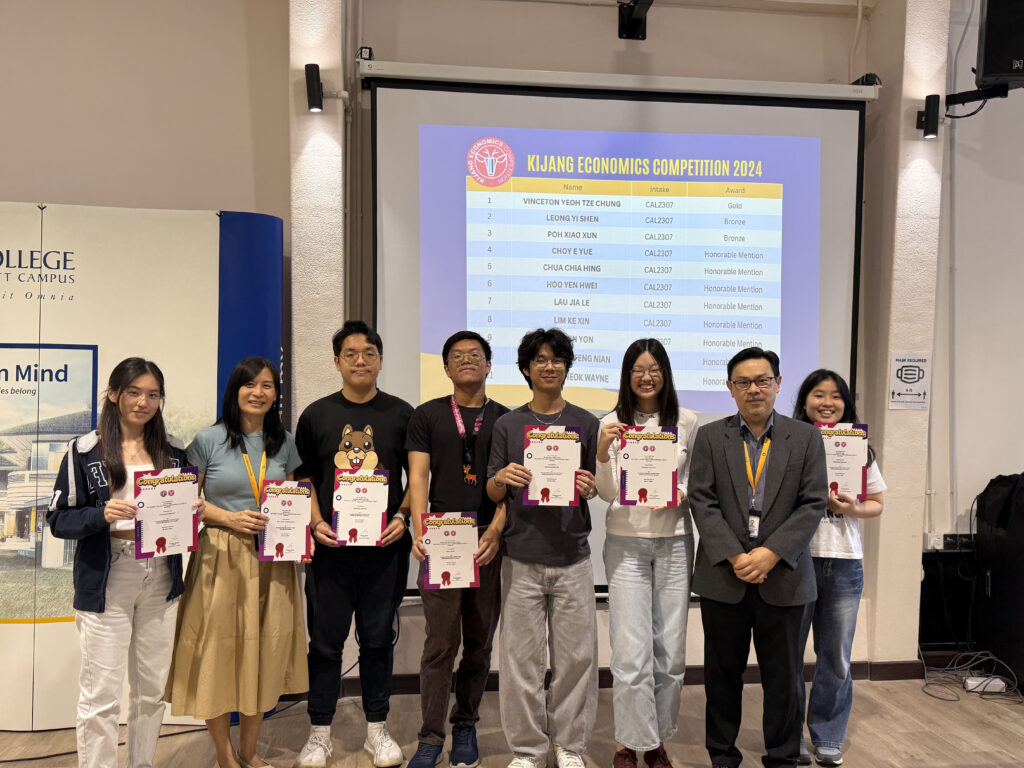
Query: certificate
[451,542]
[649,466]
[846,456]
[286,537]
[167,522]
[360,506]
[552,454]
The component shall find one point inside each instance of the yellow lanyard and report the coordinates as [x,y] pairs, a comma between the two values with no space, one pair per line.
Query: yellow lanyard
[751,477]
[257,488]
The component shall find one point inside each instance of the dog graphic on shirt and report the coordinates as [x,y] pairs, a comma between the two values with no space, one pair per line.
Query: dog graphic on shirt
[356,451]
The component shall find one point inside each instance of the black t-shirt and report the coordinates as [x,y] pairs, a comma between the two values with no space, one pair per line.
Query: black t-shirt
[432,430]
[368,435]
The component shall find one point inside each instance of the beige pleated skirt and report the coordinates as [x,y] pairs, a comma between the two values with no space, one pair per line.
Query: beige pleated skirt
[240,641]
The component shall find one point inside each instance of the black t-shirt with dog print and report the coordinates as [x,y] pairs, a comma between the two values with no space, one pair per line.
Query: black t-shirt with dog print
[334,432]
[432,430]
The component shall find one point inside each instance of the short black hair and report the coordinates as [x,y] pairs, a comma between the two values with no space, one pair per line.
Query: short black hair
[353,328]
[556,338]
[814,378]
[458,336]
[754,353]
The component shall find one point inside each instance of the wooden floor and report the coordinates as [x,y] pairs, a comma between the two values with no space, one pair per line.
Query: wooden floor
[893,724]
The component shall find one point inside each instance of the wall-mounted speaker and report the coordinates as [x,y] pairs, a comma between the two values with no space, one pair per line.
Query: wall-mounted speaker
[1001,43]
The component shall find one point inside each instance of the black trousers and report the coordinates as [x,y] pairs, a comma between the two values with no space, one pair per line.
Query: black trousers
[367,583]
[776,632]
[454,616]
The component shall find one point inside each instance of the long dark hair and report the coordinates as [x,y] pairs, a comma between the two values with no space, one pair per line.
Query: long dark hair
[231,415]
[814,378]
[154,435]
[668,403]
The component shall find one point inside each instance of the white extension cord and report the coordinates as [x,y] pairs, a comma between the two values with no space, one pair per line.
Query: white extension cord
[987,684]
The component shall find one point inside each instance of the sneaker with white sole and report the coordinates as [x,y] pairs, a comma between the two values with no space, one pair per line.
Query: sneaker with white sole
[386,753]
[317,749]
[566,758]
[521,761]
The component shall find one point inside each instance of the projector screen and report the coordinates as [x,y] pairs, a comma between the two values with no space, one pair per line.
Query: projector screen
[709,223]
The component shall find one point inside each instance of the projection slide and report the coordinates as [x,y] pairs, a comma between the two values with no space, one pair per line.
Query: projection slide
[710,226]
[614,237]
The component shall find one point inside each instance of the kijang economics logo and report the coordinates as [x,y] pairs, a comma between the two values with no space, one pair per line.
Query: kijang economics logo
[490,161]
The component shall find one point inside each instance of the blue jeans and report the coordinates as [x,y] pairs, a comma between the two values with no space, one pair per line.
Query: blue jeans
[648,601]
[834,618]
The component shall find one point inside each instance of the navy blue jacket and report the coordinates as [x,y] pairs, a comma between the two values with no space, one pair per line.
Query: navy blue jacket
[76,512]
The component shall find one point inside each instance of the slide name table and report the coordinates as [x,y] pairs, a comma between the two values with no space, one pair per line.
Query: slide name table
[697,265]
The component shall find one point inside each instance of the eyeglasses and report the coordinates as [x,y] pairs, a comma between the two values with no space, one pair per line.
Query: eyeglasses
[369,355]
[744,384]
[544,362]
[638,373]
[458,357]
[152,398]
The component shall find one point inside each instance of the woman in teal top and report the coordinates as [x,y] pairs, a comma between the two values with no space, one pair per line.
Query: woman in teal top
[240,641]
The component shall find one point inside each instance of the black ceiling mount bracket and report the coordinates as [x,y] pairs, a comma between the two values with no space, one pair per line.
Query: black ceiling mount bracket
[633,19]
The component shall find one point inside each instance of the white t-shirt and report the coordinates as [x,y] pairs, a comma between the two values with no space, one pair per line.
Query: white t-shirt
[642,521]
[839,537]
[127,493]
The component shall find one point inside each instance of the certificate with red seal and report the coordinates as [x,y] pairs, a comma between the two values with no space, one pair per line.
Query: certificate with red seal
[360,506]
[846,458]
[167,522]
[649,467]
[286,537]
[552,454]
[451,541]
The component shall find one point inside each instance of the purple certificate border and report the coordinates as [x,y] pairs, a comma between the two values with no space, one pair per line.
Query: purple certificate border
[384,514]
[622,472]
[527,501]
[261,553]
[428,581]
[141,554]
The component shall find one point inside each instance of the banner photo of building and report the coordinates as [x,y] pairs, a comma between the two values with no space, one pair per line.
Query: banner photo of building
[82,288]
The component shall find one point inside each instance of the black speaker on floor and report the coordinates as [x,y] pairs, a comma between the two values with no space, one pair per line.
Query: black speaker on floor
[1001,44]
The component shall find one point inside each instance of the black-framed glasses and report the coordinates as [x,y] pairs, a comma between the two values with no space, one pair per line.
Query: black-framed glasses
[762,382]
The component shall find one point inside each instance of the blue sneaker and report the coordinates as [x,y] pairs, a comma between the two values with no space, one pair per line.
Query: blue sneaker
[464,750]
[427,756]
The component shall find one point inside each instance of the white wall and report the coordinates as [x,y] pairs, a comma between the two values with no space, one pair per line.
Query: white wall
[983,186]
[145,104]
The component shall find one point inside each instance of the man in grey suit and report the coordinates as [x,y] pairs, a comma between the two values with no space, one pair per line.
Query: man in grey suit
[758,488]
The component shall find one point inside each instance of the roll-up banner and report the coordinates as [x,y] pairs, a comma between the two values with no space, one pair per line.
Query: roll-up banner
[82,288]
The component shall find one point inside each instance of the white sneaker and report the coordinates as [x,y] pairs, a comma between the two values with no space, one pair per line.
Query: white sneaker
[522,761]
[318,748]
[386,753]
[567,758]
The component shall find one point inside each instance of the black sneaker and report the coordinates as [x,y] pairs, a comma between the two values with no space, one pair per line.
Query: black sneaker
[464,750]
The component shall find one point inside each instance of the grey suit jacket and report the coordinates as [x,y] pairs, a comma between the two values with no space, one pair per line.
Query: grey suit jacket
[795,494]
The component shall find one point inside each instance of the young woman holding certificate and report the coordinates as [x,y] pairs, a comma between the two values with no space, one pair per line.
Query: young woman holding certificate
[124,607]
[648,551]
[824,397]
[240,641]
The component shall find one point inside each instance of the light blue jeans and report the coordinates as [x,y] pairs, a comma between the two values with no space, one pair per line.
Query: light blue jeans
[548,616]
[648,601]
[834,619]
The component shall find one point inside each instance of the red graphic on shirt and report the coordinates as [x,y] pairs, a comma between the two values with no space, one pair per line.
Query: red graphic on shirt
[490,161]
[279,550]
[545,494]
[446,578]
[641,495]
[353,536]
[161,545]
